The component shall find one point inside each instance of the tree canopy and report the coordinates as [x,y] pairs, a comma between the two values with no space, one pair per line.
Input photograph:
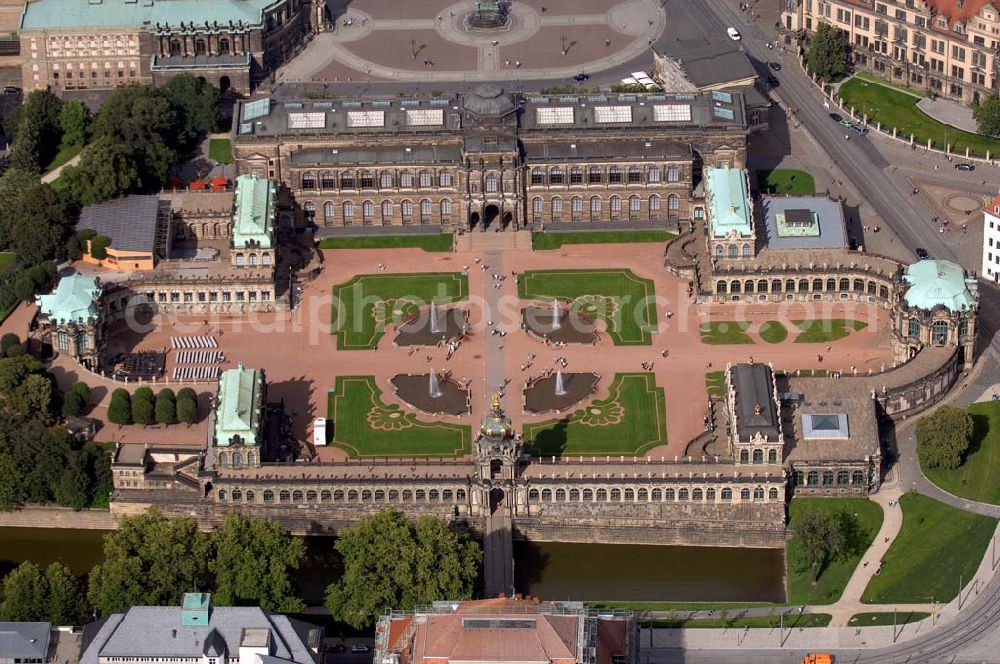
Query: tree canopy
[943,437]
[74,120]
[987,116]
[392,562]
[828,54]
[254,563]
[37,131]
[31,595]
[824,536]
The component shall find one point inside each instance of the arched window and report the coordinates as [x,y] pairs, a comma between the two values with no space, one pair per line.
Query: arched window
[614,175]
[595,207]
[223,458]
[445,208]
[939,332]
[537,175]
[643,495]
[843,477]
[250,497]
[657,495]
[629,495]
[546,495]
[845,284]
[426,179]
[346,180]
[727,494]
[367,210]
[434,495]
[367,180]
[576,175]
[748,286]
[386,209]
[827,478]
[616,495]
[668,495]
[762,285]
[448,495]
[445,179]
[831,284]
[634,204]
[696,495]
[574,495]
[710,495]
[308,180]
[533,494]
[733,251]
[746,251]
[653,174]
[406,180]
[913,328]
[735,287]
[310,209]
[348,210]
[329,210]
[199,47]
[338,496]
[492,183]
[407,495]
[536,205]
[595,175]
[222,494]
[406,208]
[379,495]
[393,495]
[427,209]
[385,179]
[772,456]
[745,494]
[325,496]
[634,174]
[284,496]
[682,495]
[556,176]
[857,478]
[560,495]
[556,205]
[420,494]
[744,456]
[673,173]
[758,456]
[720,287]
[673,203]
[268,496]
[237,495]
[812,478]
[616,205]
[602,495]
[776,285]
[366,496]
[588,495]
[352,496]
[758,494]
[327,180]
[310,496]
[772,494]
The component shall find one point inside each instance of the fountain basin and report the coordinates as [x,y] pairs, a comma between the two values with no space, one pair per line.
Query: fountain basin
[540,395]
[413,389]
[418,331]
[570,326]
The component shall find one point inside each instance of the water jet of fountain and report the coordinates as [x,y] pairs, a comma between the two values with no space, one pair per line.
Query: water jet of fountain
[556,323]
[435,322]
[433,388]
[560,388]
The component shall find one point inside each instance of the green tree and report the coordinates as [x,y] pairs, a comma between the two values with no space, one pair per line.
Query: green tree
[83,390]
[142,117]
[99,247]
[166,407]
[13,183]
[72,404]
[37,135]
[186,393]
[74,120]
[823,537]
[196,102]
[187,410]
[40,224]
[943,437]
[120,409]
[142,406]
[73,488]
[11,494]
[390,561]
[34,396]
[108,169]
[254,563]
[7,342]
[150,561]
[828,54]
[67,601]
[25,594]
[987,116]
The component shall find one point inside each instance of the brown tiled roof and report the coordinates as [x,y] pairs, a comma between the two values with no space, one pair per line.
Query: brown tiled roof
[957,10]
[446,638]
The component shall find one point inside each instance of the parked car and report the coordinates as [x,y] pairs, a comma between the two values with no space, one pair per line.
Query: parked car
[581,77]
[921,253]
[734,34]
[11,90]
[845,123]
[773,82]
[776,66]
[965,166]
[360,647]
[858,127]
[337,647]
[836,117]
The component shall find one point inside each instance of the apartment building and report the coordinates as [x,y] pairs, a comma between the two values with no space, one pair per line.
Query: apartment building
[946,46]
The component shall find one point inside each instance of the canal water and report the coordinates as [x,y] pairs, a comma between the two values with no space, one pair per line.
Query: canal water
[547,570]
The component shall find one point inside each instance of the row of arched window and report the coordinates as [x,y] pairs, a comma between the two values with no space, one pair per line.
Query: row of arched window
[236,458]
[616,495]
[616,205]
[375,179]
[387,210]
[340,496]
[818,285]
[758,456]
[829,478]
[939,330]
[600,174]
[251,259]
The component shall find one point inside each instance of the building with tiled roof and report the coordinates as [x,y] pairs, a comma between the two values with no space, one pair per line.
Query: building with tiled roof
[948,47]
[730,210]
[506,630]
[991,240]
[25,642]
[938,308]
[71,317]
[239,415]
[252,241]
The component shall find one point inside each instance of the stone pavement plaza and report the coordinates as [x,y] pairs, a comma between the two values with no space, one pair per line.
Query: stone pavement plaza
[428,41]
[301,360]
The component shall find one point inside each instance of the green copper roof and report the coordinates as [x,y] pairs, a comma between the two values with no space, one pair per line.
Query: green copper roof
[253,218]
[934,283]
[729,202]
[241,396]
[195,608]
[73,299]
[46,14]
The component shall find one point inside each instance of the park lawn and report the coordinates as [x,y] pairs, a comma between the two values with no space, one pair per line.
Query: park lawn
[363,305]
[620,298]
[871,78]
[772,332]
[640,607]
[883,618]
[65,153]
[834,577]
[937,546]
[786,181]
[630,421]
[555,240]
[6,260]
[899,109]
[430,242]
[220,150]
[715,383]
[792,620]
[825,330]
[725,332]
[364,426]
[976,479]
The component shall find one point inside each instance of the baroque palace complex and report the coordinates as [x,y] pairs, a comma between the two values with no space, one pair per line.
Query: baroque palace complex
[489,160]
[949,47]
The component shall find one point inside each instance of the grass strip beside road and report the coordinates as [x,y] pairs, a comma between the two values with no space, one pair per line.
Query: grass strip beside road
[976,479]
[884,618]
[555,240]
[715,383]
[64,155]
[938,546]
[677,606]
[870,78]
[793,620]
[429,242]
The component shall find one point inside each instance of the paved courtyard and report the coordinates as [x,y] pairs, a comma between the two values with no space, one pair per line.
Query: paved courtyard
[385,40]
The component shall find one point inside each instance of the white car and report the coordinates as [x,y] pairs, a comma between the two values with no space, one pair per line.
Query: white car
[734,34]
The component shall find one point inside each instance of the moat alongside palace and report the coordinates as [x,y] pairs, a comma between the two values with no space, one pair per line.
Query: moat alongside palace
[549,570]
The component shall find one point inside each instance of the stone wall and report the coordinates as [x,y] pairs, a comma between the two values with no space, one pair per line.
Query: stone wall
[32,516]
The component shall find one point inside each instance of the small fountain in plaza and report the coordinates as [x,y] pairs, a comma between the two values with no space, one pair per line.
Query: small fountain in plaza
[488,15]
[560,387]
[433,386]
[435,320]
[556,323]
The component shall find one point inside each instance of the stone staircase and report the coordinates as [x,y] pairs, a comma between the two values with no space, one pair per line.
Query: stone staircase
[490,241]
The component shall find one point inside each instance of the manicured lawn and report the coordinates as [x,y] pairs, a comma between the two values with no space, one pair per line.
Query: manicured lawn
[554,240]
[363,305]
[792,620]
[6,260]
[977,478]
[869,78]
[781,181]
[725,332]
[435,242]
[715,383]
[937,545]
[677,606]
[772,332]
[881,619]
[825,330]
[864,518]
[64,155]
[220,150]
[630,421]
[620,298]
[366,427]
[899,109]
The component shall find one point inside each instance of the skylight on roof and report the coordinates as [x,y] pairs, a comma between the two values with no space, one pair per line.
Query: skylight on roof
[366,118]
[724,97]
[547,115]
[424,117]
[604,114]
[724,113]
[257,109]
[672,112]
[315,120]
